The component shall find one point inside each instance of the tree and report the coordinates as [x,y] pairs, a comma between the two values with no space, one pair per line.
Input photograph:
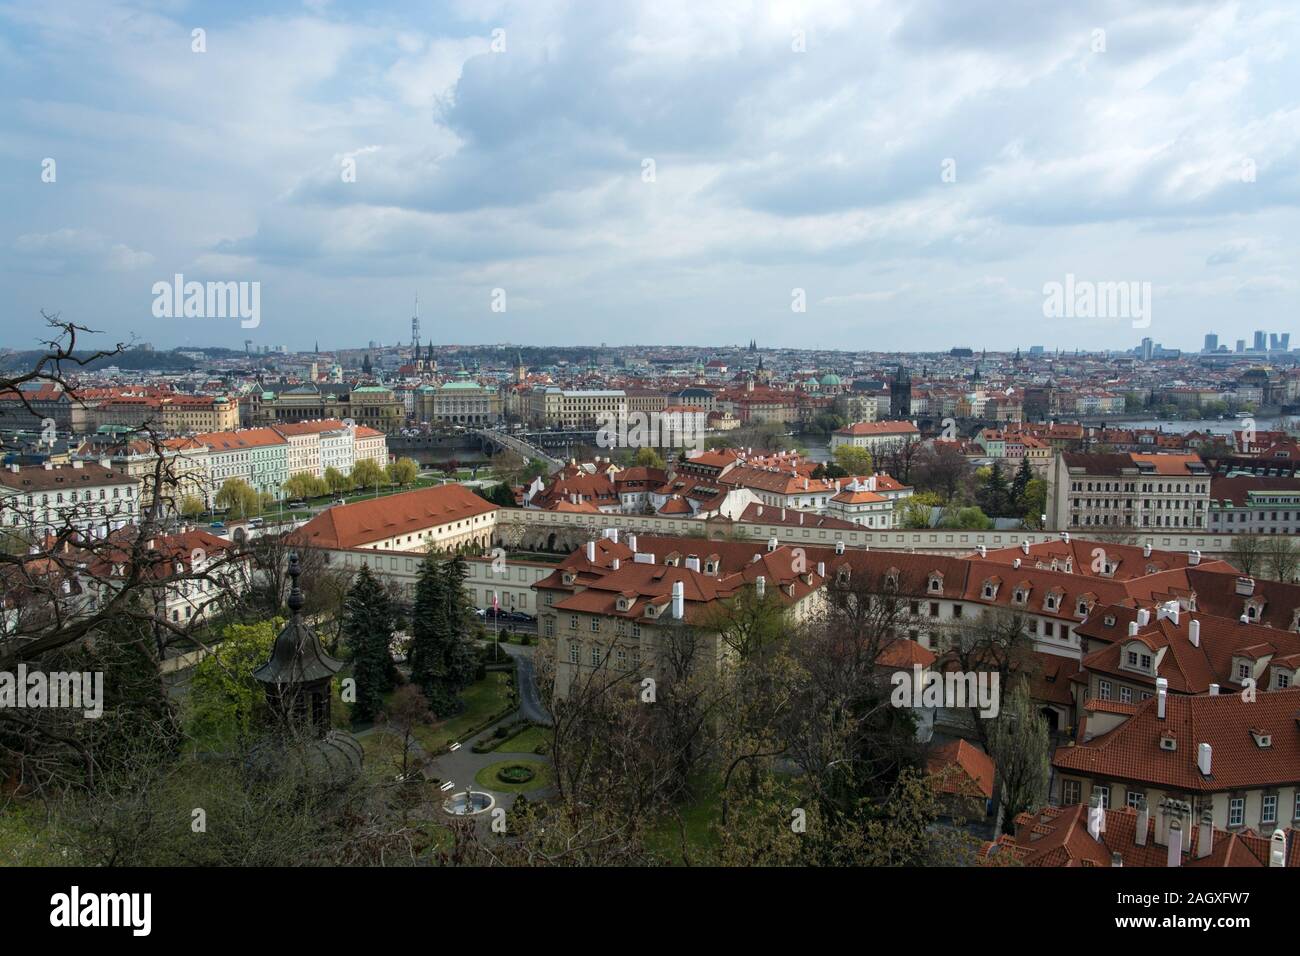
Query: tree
[965,519]
[498,494]
[1020,484]
[338,482]
[1281,558]
[304,486]
[367,474]
[442,658]
[406,711]
[191,506]
[994,496]
[240,498]
[1248,552]
[854,460]
[942,468]
[648,458]
[1019,745]
[403,472]
[368,623]
[225,700]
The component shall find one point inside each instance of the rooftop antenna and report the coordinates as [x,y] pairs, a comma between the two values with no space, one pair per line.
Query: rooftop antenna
[415,324]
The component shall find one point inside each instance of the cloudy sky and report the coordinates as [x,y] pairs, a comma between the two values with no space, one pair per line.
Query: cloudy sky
[661,172]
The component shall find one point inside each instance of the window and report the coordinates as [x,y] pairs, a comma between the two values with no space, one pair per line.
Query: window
[573,652]
[1126,695]
[595,624]
[1236,811]
[595,656]
[1134,798]
[1104,793]
[573,622]
[1103,690]
[1071,791]
[621,657]
[1268,809]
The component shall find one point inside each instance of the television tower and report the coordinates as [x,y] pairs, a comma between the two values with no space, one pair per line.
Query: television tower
[415,324]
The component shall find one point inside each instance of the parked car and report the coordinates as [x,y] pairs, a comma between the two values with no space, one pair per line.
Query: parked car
[217,526]
[256,522]
[298,504]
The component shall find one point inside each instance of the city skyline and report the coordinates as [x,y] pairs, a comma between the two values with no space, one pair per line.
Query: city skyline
[888,169]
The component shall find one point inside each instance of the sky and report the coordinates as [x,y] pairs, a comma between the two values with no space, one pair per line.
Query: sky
[880,176]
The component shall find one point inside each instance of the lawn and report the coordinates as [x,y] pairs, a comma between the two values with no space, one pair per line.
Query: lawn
[698,816]
[487,777]
[526,742]
[482,699]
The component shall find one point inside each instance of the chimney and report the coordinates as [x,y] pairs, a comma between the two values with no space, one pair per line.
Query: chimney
[1245,586]
[1146,550]
[1143,822]
[1194,558]
[1065,537]
[1162,690]
[591,552]
[613,535]
[679,600]
[1116,860]
[771,544]
[1214,690]
[821,569]
[1024,546]
[1144,617]
[1205,838]
[615,564]
[1194,633]
[760,585]
[782,514]
[1277,848]
[984,552]
[1015,563]
[1096,817]
[1132,628]
[759,512]
[692,562]
[1203,755]
[839,547]
[1175,857]
[631,542]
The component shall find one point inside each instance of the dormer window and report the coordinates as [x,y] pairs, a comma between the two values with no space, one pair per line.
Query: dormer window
[1050,602]
[1082,609]
[1109,620]
[1019,596]
[1243,671]
[936,583]
[1262,740]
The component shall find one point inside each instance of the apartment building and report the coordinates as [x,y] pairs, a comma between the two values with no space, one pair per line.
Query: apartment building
[90,497]
[575,408]
[876,437]
[1130,491]
[1087,836]
[259,456]
[1236,761]
[611,608]
[1247,504]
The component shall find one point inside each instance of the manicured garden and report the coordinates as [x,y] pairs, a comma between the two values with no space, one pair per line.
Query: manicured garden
[514,776]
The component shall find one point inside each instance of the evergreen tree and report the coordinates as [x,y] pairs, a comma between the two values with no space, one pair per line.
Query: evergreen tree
[461,661]
[995,492]
[1018,485]
[368,622]
[428,627]
[443,662]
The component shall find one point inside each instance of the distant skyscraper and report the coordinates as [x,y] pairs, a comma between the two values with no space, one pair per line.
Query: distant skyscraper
[1241,345]
[1261,342]
[1148,349]
[1211,343]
